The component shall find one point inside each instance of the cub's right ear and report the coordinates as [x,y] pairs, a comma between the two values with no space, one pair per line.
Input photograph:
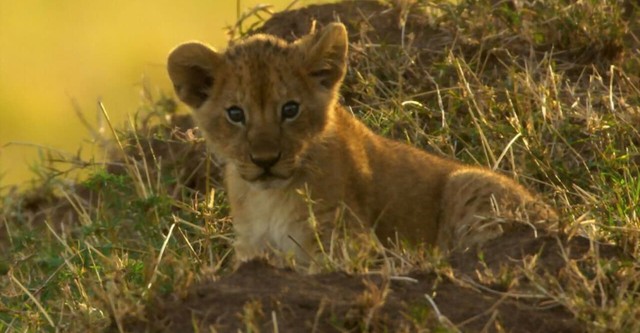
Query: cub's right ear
[325,54]
[192,68]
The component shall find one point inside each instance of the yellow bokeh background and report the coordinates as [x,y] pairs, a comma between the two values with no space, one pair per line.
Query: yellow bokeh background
[57,53]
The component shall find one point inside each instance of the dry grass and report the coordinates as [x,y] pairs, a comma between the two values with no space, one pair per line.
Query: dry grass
[547,92]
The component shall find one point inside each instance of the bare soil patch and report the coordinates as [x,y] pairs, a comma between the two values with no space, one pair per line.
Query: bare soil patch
[342,302]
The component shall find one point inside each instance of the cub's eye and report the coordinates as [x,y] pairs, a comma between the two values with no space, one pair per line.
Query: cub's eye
[290,110]
[235,115]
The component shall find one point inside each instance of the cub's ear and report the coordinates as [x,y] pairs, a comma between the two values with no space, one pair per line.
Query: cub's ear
[192,68]
[325,54]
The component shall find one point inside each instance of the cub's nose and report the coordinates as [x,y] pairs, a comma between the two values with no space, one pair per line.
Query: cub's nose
[266,161]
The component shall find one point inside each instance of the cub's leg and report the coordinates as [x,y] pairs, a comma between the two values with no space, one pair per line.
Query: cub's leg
[479,205]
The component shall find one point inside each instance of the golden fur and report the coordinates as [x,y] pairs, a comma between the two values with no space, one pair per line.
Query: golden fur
[277,165]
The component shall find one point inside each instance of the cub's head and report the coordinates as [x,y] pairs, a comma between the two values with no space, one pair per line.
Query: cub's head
[263,101]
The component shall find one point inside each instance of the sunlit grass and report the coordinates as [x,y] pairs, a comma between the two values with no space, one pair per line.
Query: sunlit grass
[531,92]
[57,57]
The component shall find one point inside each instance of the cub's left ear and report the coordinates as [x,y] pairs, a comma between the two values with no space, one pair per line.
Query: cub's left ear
[193,67]
[325,54]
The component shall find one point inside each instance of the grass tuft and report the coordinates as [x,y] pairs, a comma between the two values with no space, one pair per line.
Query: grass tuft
[546,92]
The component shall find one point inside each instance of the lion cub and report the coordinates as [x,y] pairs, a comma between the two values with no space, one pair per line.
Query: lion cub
[269,111]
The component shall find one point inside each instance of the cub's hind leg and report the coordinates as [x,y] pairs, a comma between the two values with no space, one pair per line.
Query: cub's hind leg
[479,205]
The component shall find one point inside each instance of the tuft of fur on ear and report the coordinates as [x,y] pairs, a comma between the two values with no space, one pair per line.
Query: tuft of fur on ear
[192,67]
[325,54]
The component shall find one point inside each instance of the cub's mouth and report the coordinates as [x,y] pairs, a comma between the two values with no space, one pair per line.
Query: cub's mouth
[278,173]
[270,180]
[260,175]
[268,175]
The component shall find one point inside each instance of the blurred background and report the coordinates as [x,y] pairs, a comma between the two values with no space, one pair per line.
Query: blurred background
[60,56]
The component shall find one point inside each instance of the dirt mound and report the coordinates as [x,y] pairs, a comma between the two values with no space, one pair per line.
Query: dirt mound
[260,296]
